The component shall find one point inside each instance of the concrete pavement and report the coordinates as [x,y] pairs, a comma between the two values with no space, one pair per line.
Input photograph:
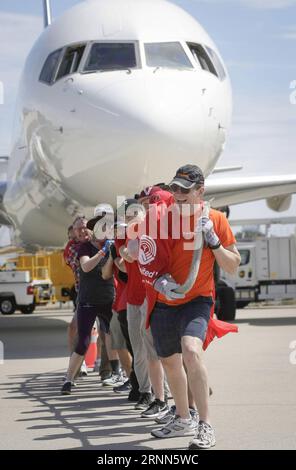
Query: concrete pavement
[254,383]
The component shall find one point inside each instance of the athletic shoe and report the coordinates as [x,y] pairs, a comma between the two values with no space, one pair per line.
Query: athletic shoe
[134,395]
[124,388]
[170,414]
[83,370]
[144,401]
[97,365]
[105,374]
[74,384]
[113,380]
[156,409]
[194,415]
[205,437]
[66,388]
[177,427]
[167,417]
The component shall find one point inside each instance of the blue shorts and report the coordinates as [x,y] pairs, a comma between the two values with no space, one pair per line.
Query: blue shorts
[169,323]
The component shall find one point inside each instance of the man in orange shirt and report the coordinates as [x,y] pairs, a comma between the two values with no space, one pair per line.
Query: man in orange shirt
[179,321]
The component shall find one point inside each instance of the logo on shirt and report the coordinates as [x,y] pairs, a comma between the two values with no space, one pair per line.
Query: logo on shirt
[147,273]
[147,250]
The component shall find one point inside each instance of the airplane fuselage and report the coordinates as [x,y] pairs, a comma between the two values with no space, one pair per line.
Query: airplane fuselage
[94,130]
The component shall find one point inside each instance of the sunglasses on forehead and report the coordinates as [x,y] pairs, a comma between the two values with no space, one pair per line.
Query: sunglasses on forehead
[187,176]
[176,188]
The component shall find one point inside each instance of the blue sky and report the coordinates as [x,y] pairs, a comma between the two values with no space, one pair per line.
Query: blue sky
[257,39]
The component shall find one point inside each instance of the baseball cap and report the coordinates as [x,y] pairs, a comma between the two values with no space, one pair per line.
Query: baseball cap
[149,191]
[101,210]
[129,208]
[126,204]
[187,176]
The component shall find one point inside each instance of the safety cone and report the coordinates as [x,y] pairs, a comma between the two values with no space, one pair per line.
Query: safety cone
[91,354]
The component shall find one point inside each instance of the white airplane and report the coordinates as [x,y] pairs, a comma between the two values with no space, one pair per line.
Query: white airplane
[116,95]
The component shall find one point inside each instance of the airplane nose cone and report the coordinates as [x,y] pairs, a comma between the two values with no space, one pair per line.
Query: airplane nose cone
[139,127]
[160,106]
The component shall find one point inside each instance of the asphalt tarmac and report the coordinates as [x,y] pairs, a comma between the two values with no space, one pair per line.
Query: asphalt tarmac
[252,373]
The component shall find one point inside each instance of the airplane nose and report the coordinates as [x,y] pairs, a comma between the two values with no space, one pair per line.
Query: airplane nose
[160,106]
[138,127]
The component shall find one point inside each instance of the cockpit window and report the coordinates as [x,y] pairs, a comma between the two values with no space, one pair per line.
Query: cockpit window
[48,70]
[71,60]
[166,54]
[111,56]
[217,63]
[202,58]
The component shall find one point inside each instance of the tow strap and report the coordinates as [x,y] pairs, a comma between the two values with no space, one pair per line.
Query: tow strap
[197,253]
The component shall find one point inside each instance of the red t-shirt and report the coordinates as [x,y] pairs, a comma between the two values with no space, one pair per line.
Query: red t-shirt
[136,291]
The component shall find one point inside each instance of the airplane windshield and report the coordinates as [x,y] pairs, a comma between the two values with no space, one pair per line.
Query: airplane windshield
[167,54]
[111,56]
[207,59]
[49,68]
[71,60]
[202,58]
[217,62]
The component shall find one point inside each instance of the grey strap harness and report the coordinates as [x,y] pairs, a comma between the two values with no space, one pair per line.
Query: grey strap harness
[197,252]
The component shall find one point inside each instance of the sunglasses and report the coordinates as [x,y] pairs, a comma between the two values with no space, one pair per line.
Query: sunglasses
[187,176]
[176,188]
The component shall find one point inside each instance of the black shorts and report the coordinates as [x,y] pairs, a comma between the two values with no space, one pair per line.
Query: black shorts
[86,316]
[170,323]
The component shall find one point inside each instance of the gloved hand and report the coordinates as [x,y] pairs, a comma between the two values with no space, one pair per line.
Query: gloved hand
[165,285]
[113,252]
[210,235]
[106,247]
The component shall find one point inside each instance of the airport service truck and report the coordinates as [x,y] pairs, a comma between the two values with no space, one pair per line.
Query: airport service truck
[50,272]
[267,270]
[16,292]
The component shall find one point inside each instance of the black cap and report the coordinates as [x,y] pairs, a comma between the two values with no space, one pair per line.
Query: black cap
[122,210]
[126,204]
[187,176]
[101,210]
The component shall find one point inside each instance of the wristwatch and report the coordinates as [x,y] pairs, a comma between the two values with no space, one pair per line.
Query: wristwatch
[215,247]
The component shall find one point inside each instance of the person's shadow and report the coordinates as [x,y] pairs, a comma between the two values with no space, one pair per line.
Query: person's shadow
[90,418]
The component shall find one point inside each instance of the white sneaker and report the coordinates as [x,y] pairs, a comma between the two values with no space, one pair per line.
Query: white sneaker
[205,437]
[177,427]
[83,370]
[113,380]
[74,384]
